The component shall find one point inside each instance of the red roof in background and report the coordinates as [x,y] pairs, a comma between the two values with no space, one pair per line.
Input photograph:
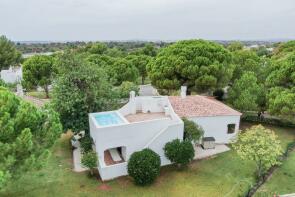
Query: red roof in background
[192,106]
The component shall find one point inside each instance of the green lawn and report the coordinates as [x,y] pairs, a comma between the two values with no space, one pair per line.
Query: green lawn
[39,95]
[282,181]
[223,175]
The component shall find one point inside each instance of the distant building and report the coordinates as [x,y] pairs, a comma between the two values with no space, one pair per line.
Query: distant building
[12,75]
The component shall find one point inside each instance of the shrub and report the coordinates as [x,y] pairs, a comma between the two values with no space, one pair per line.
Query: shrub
[2,83]
[252,117]
[126,87]
[260,145]
[144,166]
[86,144]
[179,152]
[218,94]
[89,160]
[192,131]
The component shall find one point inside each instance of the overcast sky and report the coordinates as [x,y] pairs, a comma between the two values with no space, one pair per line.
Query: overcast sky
[69,20]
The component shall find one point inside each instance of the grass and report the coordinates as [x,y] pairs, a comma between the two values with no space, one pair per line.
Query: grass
[38,94]
[223,175]
[282,181]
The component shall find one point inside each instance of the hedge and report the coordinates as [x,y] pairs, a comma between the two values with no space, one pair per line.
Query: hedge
[247,117]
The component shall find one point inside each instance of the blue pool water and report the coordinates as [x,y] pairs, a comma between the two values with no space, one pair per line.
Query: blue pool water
[107,119]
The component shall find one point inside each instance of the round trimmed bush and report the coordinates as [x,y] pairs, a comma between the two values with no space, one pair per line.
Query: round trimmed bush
[179,152]
[144,166]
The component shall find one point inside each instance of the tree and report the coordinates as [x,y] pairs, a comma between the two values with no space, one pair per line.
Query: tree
[260,145]
[10,56]
[122,70]
[262,51]
[192,131]
[125,88]
[89,160]
[284,49]
[80,88]
[26,135]
[144,166]
[115,52]
[179,152]
[198,64]
[281,82]
[246,61]
[38,71]
[149,49]
[95,48]
[140,62]
[102,61]
[246,93]
[235,46]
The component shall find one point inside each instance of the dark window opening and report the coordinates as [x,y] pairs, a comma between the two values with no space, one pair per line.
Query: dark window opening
[231,128]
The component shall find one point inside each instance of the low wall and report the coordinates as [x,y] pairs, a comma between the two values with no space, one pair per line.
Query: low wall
[112,171]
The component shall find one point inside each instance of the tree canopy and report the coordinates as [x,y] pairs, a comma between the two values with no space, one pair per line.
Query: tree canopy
[284,49]
[38,71]
[122,70]
[140,62]
[260,145]
[26,135]
[246,94]
[235,46]
[245,61]
[281,81]
[80,88]
[199,64]
[9,55]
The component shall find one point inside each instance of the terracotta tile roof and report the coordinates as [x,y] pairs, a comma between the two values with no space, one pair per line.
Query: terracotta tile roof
[193,106]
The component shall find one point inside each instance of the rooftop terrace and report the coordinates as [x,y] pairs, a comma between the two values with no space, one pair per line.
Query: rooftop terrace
[138,117]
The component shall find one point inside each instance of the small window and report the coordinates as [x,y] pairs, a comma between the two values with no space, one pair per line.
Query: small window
[231,128]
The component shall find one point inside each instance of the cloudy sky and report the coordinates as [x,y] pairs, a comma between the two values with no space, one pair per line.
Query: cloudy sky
[68,20]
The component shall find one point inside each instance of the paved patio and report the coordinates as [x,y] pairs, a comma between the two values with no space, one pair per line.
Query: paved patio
[201,153]
[77,160]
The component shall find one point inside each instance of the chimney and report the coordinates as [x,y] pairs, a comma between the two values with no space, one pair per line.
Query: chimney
[183,91]
[132,95]
[132,102]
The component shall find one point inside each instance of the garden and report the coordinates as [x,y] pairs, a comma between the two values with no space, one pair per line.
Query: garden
[223,175]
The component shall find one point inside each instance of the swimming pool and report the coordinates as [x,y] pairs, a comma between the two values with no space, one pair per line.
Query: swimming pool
[106,119]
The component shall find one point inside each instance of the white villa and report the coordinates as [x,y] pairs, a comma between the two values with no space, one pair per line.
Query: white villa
[151,122]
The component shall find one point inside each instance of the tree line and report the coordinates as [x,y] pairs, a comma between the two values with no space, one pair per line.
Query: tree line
[95,76]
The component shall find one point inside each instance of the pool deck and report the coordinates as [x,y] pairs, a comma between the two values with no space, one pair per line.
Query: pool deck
[138,117]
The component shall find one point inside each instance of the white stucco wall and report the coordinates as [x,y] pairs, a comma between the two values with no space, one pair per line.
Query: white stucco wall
[153,134]
[11,75]
[216,126]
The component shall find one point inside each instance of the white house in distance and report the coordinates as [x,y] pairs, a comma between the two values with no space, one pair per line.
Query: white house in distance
[11,75]
[151,122]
